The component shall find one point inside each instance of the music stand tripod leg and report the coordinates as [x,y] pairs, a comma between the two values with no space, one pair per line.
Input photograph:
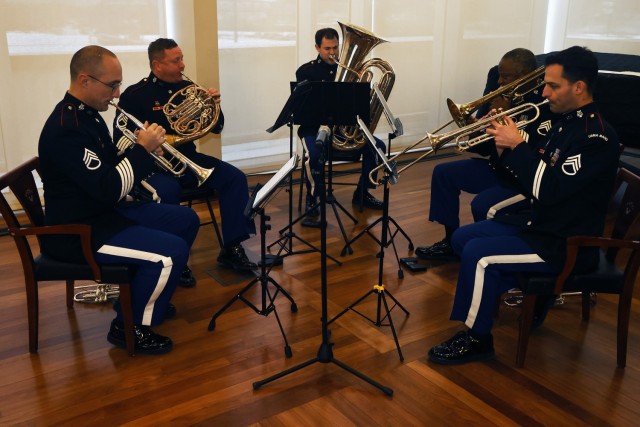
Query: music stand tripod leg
[325,351]
[268,301]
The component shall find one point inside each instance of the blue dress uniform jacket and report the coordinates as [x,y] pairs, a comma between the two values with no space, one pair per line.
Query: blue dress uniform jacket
[81,185]
[315,71]
[570,175]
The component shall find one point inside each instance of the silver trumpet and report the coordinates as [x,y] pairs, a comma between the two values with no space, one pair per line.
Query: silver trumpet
[176,164]
[465,137]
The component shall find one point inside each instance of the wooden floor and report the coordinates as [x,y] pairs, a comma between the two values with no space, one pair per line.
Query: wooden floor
[78,378]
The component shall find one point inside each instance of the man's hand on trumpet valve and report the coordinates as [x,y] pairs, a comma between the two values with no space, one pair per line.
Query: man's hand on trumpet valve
[505,133]
[151,137]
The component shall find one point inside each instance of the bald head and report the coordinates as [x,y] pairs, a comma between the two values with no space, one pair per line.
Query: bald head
[89,59]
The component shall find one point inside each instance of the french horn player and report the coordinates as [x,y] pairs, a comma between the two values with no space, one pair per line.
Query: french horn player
[515,81]
[188,112]
[325,68]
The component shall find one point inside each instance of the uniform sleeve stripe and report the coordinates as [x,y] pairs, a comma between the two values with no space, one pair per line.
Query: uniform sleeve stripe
[126,177]
[538,178]
[524,135]
[123,143]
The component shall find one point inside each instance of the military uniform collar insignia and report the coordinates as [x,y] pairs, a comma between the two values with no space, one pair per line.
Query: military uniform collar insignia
[81,107]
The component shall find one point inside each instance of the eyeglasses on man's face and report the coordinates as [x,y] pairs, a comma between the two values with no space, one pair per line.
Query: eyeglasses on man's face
[113,86]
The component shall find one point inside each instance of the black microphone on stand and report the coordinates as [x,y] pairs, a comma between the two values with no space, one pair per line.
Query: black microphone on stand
[323,135]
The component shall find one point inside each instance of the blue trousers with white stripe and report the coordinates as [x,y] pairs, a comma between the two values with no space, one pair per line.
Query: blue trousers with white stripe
[159,247]
[230,184]
[490,252]
[473,176]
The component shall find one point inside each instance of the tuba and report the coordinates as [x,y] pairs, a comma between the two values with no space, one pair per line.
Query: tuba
[357,43]
[191,112]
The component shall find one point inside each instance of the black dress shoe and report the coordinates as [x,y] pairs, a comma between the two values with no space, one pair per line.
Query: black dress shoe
[146,341]
[170,313]
[463,347]
[311,209]
[441,251]
[368,201]
[235,258]
[186,278]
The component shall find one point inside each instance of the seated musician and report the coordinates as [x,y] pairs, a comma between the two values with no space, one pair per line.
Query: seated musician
[145,100]
[570,174]
[86,181]
[324,68]
[497,192]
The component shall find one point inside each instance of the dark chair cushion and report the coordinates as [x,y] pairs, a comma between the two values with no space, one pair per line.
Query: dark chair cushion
[47,268]
[607,278]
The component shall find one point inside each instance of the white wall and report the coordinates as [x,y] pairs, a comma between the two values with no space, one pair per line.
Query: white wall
[439,49]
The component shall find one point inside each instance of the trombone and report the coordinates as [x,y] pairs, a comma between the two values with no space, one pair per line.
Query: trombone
[177,164]
[463,138]
[514,91]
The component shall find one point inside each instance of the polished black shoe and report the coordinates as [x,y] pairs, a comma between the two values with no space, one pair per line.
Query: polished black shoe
[311,209]
[146,341]
[441,251]
[186,278]
[170,313]
[235,258]
[543,304]
[463,348]
[368,201]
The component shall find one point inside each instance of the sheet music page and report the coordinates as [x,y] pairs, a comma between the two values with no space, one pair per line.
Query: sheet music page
[275,180]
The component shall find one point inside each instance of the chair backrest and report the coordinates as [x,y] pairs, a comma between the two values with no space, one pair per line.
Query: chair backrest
[627,221]
[23,185]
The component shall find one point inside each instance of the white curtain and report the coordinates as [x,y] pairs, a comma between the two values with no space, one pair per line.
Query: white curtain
[439,49]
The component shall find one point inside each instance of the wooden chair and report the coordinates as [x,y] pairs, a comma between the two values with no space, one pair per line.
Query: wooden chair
[42,268]
[616,272]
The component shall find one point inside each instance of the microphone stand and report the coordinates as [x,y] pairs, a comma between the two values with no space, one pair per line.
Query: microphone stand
[325,352]
[390,177]
[397,130]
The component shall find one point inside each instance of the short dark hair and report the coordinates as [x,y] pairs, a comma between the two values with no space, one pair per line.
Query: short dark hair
[88,59]
[157,47]
[578,63]
[524,59]
[326,33]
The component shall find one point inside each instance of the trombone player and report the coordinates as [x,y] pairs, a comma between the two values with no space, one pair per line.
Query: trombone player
[145,100]
[497,192]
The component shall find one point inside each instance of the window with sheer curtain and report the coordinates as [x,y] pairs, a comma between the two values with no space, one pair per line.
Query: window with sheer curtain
[38,40]
[439,49]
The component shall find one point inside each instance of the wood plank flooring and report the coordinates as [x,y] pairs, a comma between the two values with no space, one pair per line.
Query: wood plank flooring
[78,378]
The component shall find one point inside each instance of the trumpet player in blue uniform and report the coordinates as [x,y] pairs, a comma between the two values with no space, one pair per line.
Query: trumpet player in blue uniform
[570,174]
[86,181]
[145,100]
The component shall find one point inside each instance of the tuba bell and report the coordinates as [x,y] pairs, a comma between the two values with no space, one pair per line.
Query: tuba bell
[357,43]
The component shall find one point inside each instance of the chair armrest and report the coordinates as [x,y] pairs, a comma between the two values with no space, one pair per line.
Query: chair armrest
[576,242]
[82,230]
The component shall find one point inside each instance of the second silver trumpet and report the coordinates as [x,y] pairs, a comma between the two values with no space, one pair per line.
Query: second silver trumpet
[176,164]
[467,136]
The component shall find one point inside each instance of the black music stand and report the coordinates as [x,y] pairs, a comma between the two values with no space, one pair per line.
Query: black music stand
[331,104]
[255,206]
[325,352]
[396,130]
[390,177]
